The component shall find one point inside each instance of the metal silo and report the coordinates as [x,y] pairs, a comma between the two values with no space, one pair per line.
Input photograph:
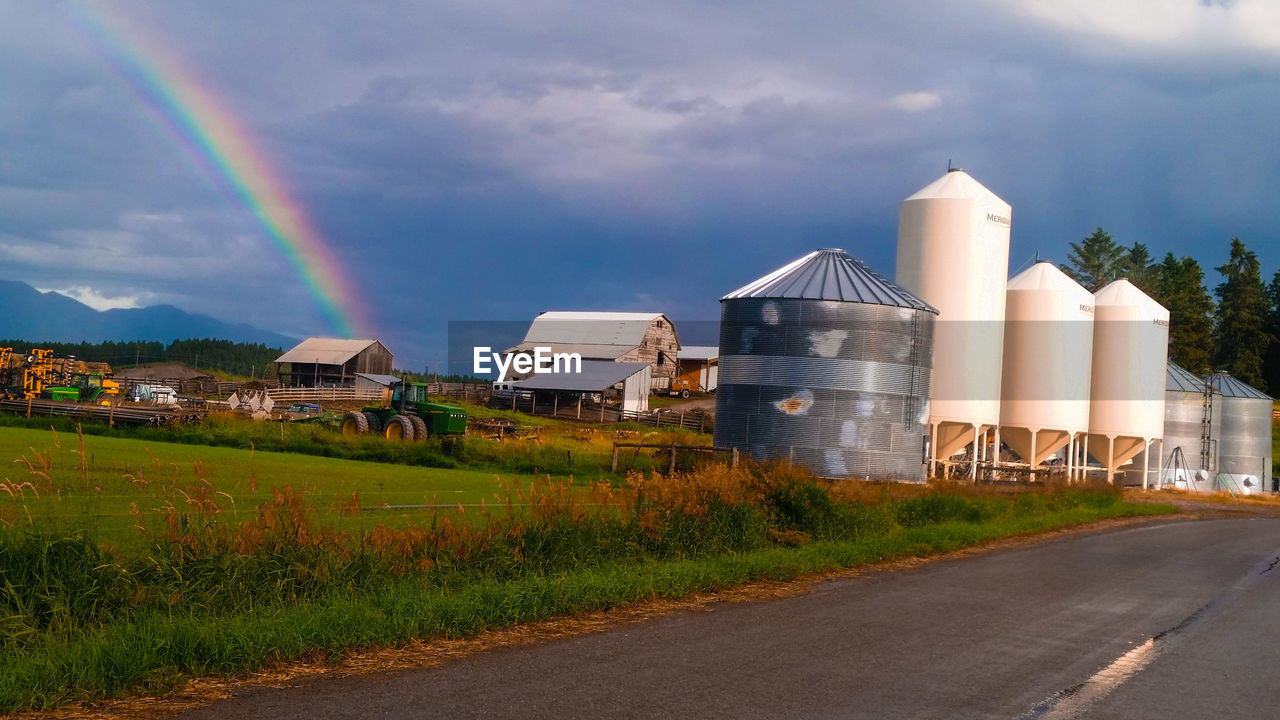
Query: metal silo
[1048,354]
[953,252]
[1244,453]
[1130,358]
[1192,429]
[827,364]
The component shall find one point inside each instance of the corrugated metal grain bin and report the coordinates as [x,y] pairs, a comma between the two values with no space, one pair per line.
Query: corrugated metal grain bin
[827,364]
[1244,453]
[1192,430]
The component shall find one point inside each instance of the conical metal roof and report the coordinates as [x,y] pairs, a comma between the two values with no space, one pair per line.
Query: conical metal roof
[1123,292]
[830,274]
[957,184]
[1179,379]
[1231,387]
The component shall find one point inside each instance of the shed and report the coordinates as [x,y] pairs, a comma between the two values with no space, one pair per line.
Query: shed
[699,368]
[629,380]
[626,337]
[372,381]
[332,362]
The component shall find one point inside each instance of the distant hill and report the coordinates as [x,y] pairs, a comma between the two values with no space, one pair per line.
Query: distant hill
[30,314]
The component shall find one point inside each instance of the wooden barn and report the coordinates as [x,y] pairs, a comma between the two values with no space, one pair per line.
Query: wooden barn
[628,337]
[332,362]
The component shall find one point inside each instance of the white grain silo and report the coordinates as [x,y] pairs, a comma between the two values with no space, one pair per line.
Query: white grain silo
[1048,355]
[1130,353]
[953,252]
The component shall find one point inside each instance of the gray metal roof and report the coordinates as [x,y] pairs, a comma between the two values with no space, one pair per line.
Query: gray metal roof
[830,274]
[587,351]
[1179,379]
[387,380]
[325,351]
[698,352]
[1231,387]
[596,375]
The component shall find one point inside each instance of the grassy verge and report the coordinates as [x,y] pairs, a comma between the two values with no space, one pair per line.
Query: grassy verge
[82,620]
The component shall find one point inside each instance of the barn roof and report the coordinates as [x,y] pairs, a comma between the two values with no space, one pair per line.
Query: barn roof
[588,352]
[596,375]
[325,351]
[592,328]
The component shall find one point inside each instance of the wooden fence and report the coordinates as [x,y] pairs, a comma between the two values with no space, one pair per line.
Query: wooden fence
[332,394]
[674,449]
[196,386]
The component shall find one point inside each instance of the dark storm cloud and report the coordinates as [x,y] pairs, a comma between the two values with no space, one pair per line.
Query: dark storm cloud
[488,161]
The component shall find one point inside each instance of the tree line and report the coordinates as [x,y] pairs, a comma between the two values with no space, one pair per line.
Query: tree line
[232,358]
[1236,329]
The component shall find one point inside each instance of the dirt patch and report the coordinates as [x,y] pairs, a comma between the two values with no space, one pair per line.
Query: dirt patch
[424,654]
[168,371]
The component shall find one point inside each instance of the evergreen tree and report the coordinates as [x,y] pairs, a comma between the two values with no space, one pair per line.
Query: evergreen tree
[1271,361]
[1140,268]
[1240,336]
[1095,261]
[1179,286]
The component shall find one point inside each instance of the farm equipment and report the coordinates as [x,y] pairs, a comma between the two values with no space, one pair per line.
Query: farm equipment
[41,374]
[408,416]
[85,387]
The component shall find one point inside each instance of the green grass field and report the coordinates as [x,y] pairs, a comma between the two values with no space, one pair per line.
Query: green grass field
[48,487]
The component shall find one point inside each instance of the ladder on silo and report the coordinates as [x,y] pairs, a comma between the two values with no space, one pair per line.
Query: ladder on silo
[1206,430]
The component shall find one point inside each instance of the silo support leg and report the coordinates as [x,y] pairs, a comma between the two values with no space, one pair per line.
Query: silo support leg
[1160,465]
[1146,461]
[995,454]
[1031,461]
[973,466]
[1111,452]
[1084,460]
[933,450]
[1071,458]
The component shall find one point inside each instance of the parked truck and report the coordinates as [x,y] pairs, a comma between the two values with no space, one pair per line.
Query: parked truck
[408,416]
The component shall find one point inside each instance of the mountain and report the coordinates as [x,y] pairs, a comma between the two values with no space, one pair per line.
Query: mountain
[28,314]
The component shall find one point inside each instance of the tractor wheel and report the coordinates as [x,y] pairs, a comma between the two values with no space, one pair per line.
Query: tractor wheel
[375,423]
[684,393]
[419,428]
[399,427]
[354,423]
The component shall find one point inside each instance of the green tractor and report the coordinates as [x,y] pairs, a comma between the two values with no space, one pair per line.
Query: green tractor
[409,416]
[84,387]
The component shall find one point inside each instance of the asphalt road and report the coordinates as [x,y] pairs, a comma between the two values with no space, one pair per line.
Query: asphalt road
[1175,620]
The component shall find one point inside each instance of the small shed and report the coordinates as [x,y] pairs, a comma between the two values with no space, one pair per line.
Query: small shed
[332,362]
[699,368]
[372,381]
[628,381]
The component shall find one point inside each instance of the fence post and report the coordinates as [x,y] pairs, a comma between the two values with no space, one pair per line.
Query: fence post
[672,470]
[614,466]
[734,462]
[702,422]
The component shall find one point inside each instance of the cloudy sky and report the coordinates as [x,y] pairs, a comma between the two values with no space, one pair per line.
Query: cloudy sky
[486,161]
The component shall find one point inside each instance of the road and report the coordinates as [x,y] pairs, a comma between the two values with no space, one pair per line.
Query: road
[1177,619]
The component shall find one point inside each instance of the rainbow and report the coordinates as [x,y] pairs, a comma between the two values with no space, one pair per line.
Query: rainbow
[218,142]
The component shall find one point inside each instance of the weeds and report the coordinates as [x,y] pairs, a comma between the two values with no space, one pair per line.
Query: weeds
[206,587]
